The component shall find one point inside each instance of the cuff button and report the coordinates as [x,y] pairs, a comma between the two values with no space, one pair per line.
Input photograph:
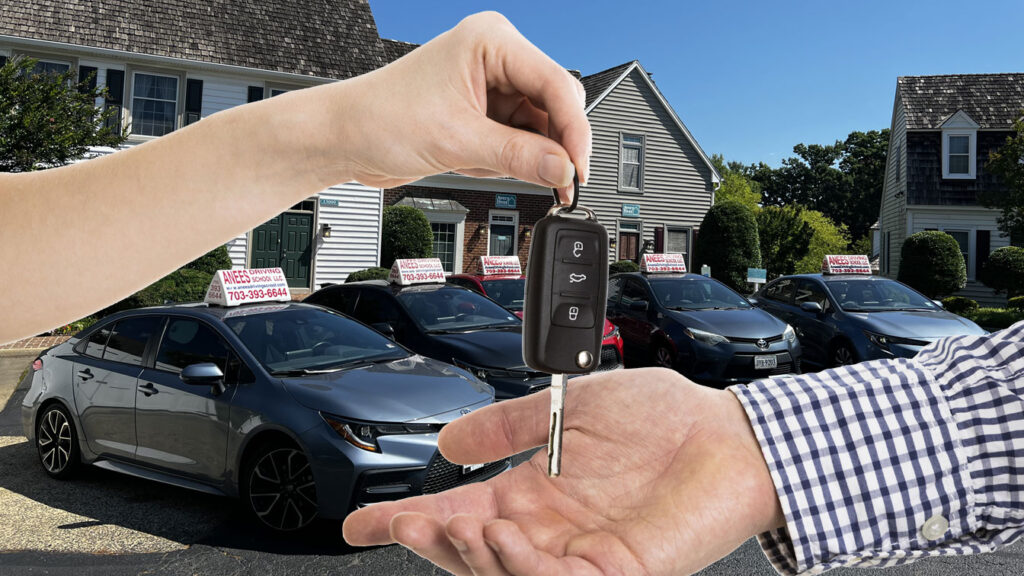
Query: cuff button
[935,527]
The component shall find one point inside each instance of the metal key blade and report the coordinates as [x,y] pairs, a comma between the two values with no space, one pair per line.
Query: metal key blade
[558,382]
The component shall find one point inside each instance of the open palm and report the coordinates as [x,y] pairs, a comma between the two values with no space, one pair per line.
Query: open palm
[660,476]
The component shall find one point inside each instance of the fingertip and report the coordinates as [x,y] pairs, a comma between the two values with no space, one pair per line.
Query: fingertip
[366,527]
[413,530]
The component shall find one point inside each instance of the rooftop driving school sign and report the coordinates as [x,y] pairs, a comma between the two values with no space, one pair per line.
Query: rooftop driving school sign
[655,263]
[406,271]
[846,264]
[234,287]
[500,266]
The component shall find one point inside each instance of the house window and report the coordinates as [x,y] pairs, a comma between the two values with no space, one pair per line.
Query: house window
[154,104]
[958,154]
[444,243]
[631,162]
[503,234]
[56,68]
[678,241]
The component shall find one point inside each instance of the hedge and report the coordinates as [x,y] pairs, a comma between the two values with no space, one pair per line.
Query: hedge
[931,263]
[368,274]
[1016,303]
[405,233]
[623,266]
[960,305]
[729,243]
[996,318]
[186,284]
[1004,271]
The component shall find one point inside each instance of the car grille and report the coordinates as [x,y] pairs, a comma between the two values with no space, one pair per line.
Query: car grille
[609,359]
[742,366]
[754,340]
[442,474]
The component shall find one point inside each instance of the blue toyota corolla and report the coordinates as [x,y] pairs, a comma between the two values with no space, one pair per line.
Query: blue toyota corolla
[843,319]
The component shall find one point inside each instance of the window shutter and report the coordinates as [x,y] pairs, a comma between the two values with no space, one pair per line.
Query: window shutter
[193,100]
[86,73]
[115,96]
[3,60]
[659,240]
[255,93]
[982,245]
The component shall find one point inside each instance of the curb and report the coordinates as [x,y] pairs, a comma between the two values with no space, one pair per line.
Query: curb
[15,352]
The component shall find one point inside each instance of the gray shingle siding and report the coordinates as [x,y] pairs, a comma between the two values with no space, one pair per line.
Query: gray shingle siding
[925,184]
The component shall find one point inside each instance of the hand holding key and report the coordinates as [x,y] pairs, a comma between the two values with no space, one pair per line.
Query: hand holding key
[661,476]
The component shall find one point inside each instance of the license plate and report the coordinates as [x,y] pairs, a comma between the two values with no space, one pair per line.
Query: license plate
[765,362]
[470,468]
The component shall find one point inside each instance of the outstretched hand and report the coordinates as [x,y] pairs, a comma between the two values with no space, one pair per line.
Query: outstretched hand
[660,476]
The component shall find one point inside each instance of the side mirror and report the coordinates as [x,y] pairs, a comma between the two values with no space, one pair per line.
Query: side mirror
[204,374]
[939,304]
[639,305]
[384,328]
[811,307]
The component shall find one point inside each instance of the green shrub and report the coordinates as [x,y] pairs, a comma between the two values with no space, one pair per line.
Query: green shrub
[728,243]
[405,233]
[996,318]
[186,284]
[76,326]
[623,266]
[1016,303]
[1004,271]
[931,263]
[960,305]
[368,274]
[216,259]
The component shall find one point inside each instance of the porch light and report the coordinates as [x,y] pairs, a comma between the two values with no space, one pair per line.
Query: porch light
[325,230]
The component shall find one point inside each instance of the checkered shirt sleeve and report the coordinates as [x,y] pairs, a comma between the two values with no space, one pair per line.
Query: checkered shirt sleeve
[885,462]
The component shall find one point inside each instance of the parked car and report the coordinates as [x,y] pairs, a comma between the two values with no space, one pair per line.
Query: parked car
[843,319]
[509,290]
[700,327]
[300,412]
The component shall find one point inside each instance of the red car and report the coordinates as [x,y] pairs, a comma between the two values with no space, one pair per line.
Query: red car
[508,290]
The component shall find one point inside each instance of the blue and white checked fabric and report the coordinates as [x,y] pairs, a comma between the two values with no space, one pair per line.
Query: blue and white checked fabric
[870,461]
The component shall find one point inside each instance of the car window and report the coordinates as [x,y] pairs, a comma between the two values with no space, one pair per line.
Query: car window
[633,291]
[614,290]
[377,307]
[510,292]
[809,291]
[876,295]
[96,343]
[128,341]
[339,299]
[694,292]
[450,309]
[187,341]
[781,291]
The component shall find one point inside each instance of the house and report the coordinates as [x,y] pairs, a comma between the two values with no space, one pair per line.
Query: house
[170,63]
[943,130]
[650,181]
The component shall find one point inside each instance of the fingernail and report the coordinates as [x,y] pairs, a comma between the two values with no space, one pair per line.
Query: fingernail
[493,546]
[555,170]
[459,545]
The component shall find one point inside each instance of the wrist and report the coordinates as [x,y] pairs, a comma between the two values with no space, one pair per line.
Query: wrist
[763,496]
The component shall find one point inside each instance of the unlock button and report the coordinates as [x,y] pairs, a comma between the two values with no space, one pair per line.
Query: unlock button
[573,315]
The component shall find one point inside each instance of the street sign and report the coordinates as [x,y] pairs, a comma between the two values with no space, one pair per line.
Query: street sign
[329,202]
[505,201]
[705,270]
[757,275]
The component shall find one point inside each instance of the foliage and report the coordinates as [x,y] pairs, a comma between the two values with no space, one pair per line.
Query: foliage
[1006,163]
[76,326]
[785,238]
[623,266]
[862,245]
[996,318]
[216,259]
[368,274]
[728,243]
[931,263]
[1016,303]
[736,186]
[960,305]
[826,238]
[1004,271]
[186,284]
[405,233]
[49,119]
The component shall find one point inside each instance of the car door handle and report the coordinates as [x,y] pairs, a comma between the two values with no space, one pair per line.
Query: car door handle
[85,374]
[147,389]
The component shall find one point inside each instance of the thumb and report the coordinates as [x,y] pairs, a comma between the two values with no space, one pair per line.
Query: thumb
[520,154]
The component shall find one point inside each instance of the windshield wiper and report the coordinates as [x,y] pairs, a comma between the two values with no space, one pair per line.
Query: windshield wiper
[303,372]
[681,308]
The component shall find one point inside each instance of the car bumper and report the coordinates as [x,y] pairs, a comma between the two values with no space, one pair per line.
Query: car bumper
[733,363]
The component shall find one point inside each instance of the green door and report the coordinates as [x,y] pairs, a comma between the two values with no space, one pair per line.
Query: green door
[286,242]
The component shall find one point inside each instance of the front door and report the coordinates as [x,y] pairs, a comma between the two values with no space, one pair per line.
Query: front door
[286,242]
[629,245]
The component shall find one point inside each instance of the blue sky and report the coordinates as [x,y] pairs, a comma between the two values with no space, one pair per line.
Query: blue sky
[752,79]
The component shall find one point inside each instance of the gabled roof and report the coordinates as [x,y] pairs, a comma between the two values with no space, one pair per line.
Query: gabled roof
[324,38]
[602,83]
[395,49]
[994,101]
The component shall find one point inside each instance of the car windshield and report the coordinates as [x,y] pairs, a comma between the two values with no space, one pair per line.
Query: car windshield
[692,292]
[508,292]
[307,340]
[877,295]
[450,309]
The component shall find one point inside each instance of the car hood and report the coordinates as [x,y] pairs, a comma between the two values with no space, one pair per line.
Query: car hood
[412,388]
[495,348]
[916,323]
[746,323]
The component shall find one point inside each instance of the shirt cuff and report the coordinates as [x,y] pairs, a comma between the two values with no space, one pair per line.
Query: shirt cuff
[867,464]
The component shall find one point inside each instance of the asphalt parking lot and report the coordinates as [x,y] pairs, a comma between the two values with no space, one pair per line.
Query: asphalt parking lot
[104,523]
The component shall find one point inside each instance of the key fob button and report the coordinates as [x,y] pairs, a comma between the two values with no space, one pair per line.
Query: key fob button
[573,315]
[576,247]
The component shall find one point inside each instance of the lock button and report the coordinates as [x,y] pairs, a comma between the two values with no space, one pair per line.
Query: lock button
[573,314]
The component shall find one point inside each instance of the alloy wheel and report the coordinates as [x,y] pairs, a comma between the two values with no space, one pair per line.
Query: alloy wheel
[282,492]
[843,356]
[663,357]
[54,440]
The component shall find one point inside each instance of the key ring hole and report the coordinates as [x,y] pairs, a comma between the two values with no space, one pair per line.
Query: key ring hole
[575,194]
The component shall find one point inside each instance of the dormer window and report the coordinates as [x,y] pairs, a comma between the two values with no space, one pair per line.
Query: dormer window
[959,147]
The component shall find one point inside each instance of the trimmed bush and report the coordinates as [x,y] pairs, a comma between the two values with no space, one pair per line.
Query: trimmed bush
[728,243]
[405,233]
[186,284]
[623,266]
[931,263]
[216,259]
[960,305]
[368,274]
[996,318]
[1016,303]
[1004,271]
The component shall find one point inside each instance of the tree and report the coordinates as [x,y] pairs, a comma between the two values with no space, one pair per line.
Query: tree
[728,243]
[931,263]
[405,233]
[826,238]
[735,185]
[1004,271]
[48,119]
[1008,164]
[784,238]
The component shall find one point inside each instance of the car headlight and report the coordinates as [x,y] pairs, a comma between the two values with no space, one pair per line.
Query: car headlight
[883,341]
[364,435]
[480,373]
[709,338]
[789,334]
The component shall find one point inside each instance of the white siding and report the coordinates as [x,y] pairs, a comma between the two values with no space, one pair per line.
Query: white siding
[892,218]
[221,93]
[238,250]
[355,232]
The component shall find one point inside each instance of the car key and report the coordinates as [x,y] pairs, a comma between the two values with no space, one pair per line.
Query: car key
[563,314]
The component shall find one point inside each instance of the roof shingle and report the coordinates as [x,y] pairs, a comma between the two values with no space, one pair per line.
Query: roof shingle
[595,84]
[994,101]
[395,49]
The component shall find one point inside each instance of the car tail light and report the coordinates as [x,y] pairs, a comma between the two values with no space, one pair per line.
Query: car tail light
[37,365]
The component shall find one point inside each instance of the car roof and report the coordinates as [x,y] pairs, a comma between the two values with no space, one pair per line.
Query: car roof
[834,277]
[656,275]
[203,309]
[394,288]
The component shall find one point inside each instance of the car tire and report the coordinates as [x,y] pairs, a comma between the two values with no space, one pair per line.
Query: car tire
[663,357]
[277,487]
[842,355]
[57,442]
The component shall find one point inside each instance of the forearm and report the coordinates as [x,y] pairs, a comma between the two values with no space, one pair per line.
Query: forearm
[152,208]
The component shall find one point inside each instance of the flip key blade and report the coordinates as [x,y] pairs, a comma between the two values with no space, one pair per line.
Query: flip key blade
[558,382]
